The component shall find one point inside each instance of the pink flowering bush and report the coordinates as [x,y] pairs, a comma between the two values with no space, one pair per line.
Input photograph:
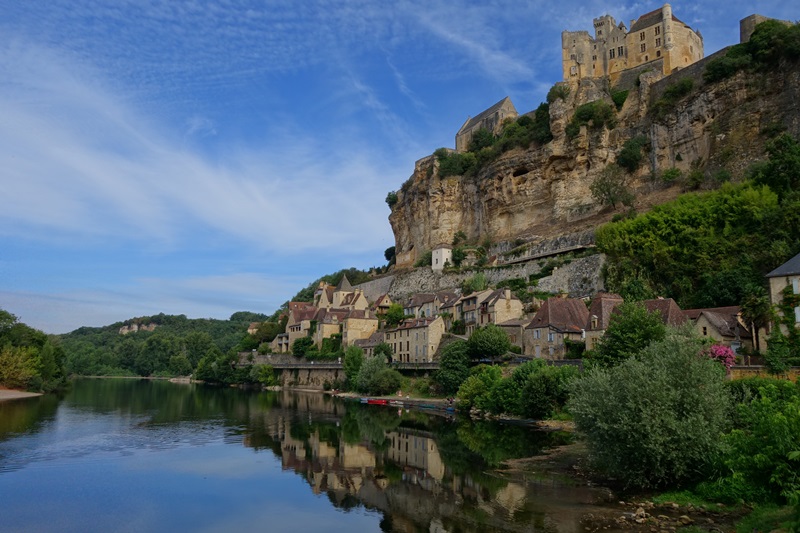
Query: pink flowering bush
[721,353]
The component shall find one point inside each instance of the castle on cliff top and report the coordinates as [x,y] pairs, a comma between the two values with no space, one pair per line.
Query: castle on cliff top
[657,38]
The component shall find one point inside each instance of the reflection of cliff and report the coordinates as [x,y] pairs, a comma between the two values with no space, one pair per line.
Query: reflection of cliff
[392,462]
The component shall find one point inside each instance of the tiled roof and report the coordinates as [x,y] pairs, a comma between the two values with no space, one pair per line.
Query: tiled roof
[472,122]
[420,299]
[651,19]
[383,300]
[789,268]
[344,285]
[498,295]
[564,314]
[670,313]
[413,323]
[602,305]
[725,319]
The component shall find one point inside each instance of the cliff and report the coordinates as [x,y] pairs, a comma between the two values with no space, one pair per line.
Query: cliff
[543,192]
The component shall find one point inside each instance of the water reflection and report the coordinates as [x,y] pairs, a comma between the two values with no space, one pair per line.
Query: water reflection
[420,471]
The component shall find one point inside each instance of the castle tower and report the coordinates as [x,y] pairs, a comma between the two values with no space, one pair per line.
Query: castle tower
[666,15]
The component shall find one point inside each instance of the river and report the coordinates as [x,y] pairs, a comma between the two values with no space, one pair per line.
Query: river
[139,455]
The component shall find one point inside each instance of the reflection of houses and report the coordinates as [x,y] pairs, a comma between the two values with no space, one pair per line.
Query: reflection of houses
[556,321]
[722,324]
[416,340]
[600,311]
[785,278]
[416,451]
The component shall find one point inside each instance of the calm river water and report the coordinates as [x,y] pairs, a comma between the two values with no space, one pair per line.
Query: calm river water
[136,455]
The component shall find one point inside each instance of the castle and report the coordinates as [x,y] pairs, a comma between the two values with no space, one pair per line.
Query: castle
[656,39]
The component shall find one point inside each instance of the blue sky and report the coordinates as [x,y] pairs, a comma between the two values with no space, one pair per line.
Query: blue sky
[201,158]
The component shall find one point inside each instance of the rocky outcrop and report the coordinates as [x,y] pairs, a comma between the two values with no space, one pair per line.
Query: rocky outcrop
[133,328]
[543,192]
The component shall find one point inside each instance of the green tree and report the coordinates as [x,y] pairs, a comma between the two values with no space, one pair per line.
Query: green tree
[394,315]
[782,171]
[489,341]
[384,349]
[476,389]
[481,138]
[654,420]
[631,329]
[389,254]
[353,359]
[453,367]
[391,199]
[611,188]
[302,346]
[546,391]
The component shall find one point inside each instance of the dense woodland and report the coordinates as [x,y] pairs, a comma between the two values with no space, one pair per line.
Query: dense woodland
[29,359]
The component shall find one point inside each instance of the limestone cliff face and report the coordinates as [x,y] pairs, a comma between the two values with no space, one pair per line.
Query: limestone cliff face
[543,192]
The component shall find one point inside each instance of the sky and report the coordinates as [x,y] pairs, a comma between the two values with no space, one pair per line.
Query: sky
[206,157]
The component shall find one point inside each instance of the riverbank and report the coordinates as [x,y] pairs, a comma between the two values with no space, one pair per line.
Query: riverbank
[10,394]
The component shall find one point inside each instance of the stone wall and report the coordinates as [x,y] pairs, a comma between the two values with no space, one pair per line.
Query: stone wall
[743,372]
[308,378]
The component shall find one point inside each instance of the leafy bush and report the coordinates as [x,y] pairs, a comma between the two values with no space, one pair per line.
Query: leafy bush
[455,163]
[482,138]
[374,377]
[559,91]
[302,346]
[630,157]
[597,115]
[671,175]
[619,98]
[611,187]
[353,360]
[424,260]
[546,391]
[631,329]
[453,367]
[671,96]
[488,342]
[391,199]
[474,392]
[771,42]
[757,458]
[654,420]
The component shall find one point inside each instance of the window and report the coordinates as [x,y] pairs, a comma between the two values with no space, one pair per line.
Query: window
[599,32]
[594,58]
[642,47]
[573,57]
[611,54]
[537,334]
[551,337]
[620,51]
[641,36]
[705,331]
[658,41]
[797,314]
[796,285]
[658,30]
[658,53]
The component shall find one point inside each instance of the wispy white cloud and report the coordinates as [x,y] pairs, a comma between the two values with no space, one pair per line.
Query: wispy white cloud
[85,163]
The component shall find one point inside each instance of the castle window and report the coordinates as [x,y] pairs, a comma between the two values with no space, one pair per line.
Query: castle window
[620,51]
[573,57]
[594,58]
[599,32]
[611,54]
[658,41]
[642,47]
[641,36]
[658,30]
[691,49]
[658,53]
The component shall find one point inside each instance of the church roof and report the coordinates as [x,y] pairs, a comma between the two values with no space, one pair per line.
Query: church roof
[472,122]
[344,284]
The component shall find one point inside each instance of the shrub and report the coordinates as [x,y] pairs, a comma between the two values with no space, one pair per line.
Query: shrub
[559,91]
[597,115]
[630,157]
[474,392]
[671,175]
[391,199]
[619,98]
[481,138]
[302,346]
[453,367]
[654,420]
[546,391]
[488,342]
[631,329]
[611,188]
[671,96]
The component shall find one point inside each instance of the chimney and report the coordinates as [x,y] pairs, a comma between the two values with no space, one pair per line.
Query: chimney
[507,294]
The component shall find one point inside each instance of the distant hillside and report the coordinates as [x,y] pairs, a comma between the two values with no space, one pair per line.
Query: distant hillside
[173,347]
